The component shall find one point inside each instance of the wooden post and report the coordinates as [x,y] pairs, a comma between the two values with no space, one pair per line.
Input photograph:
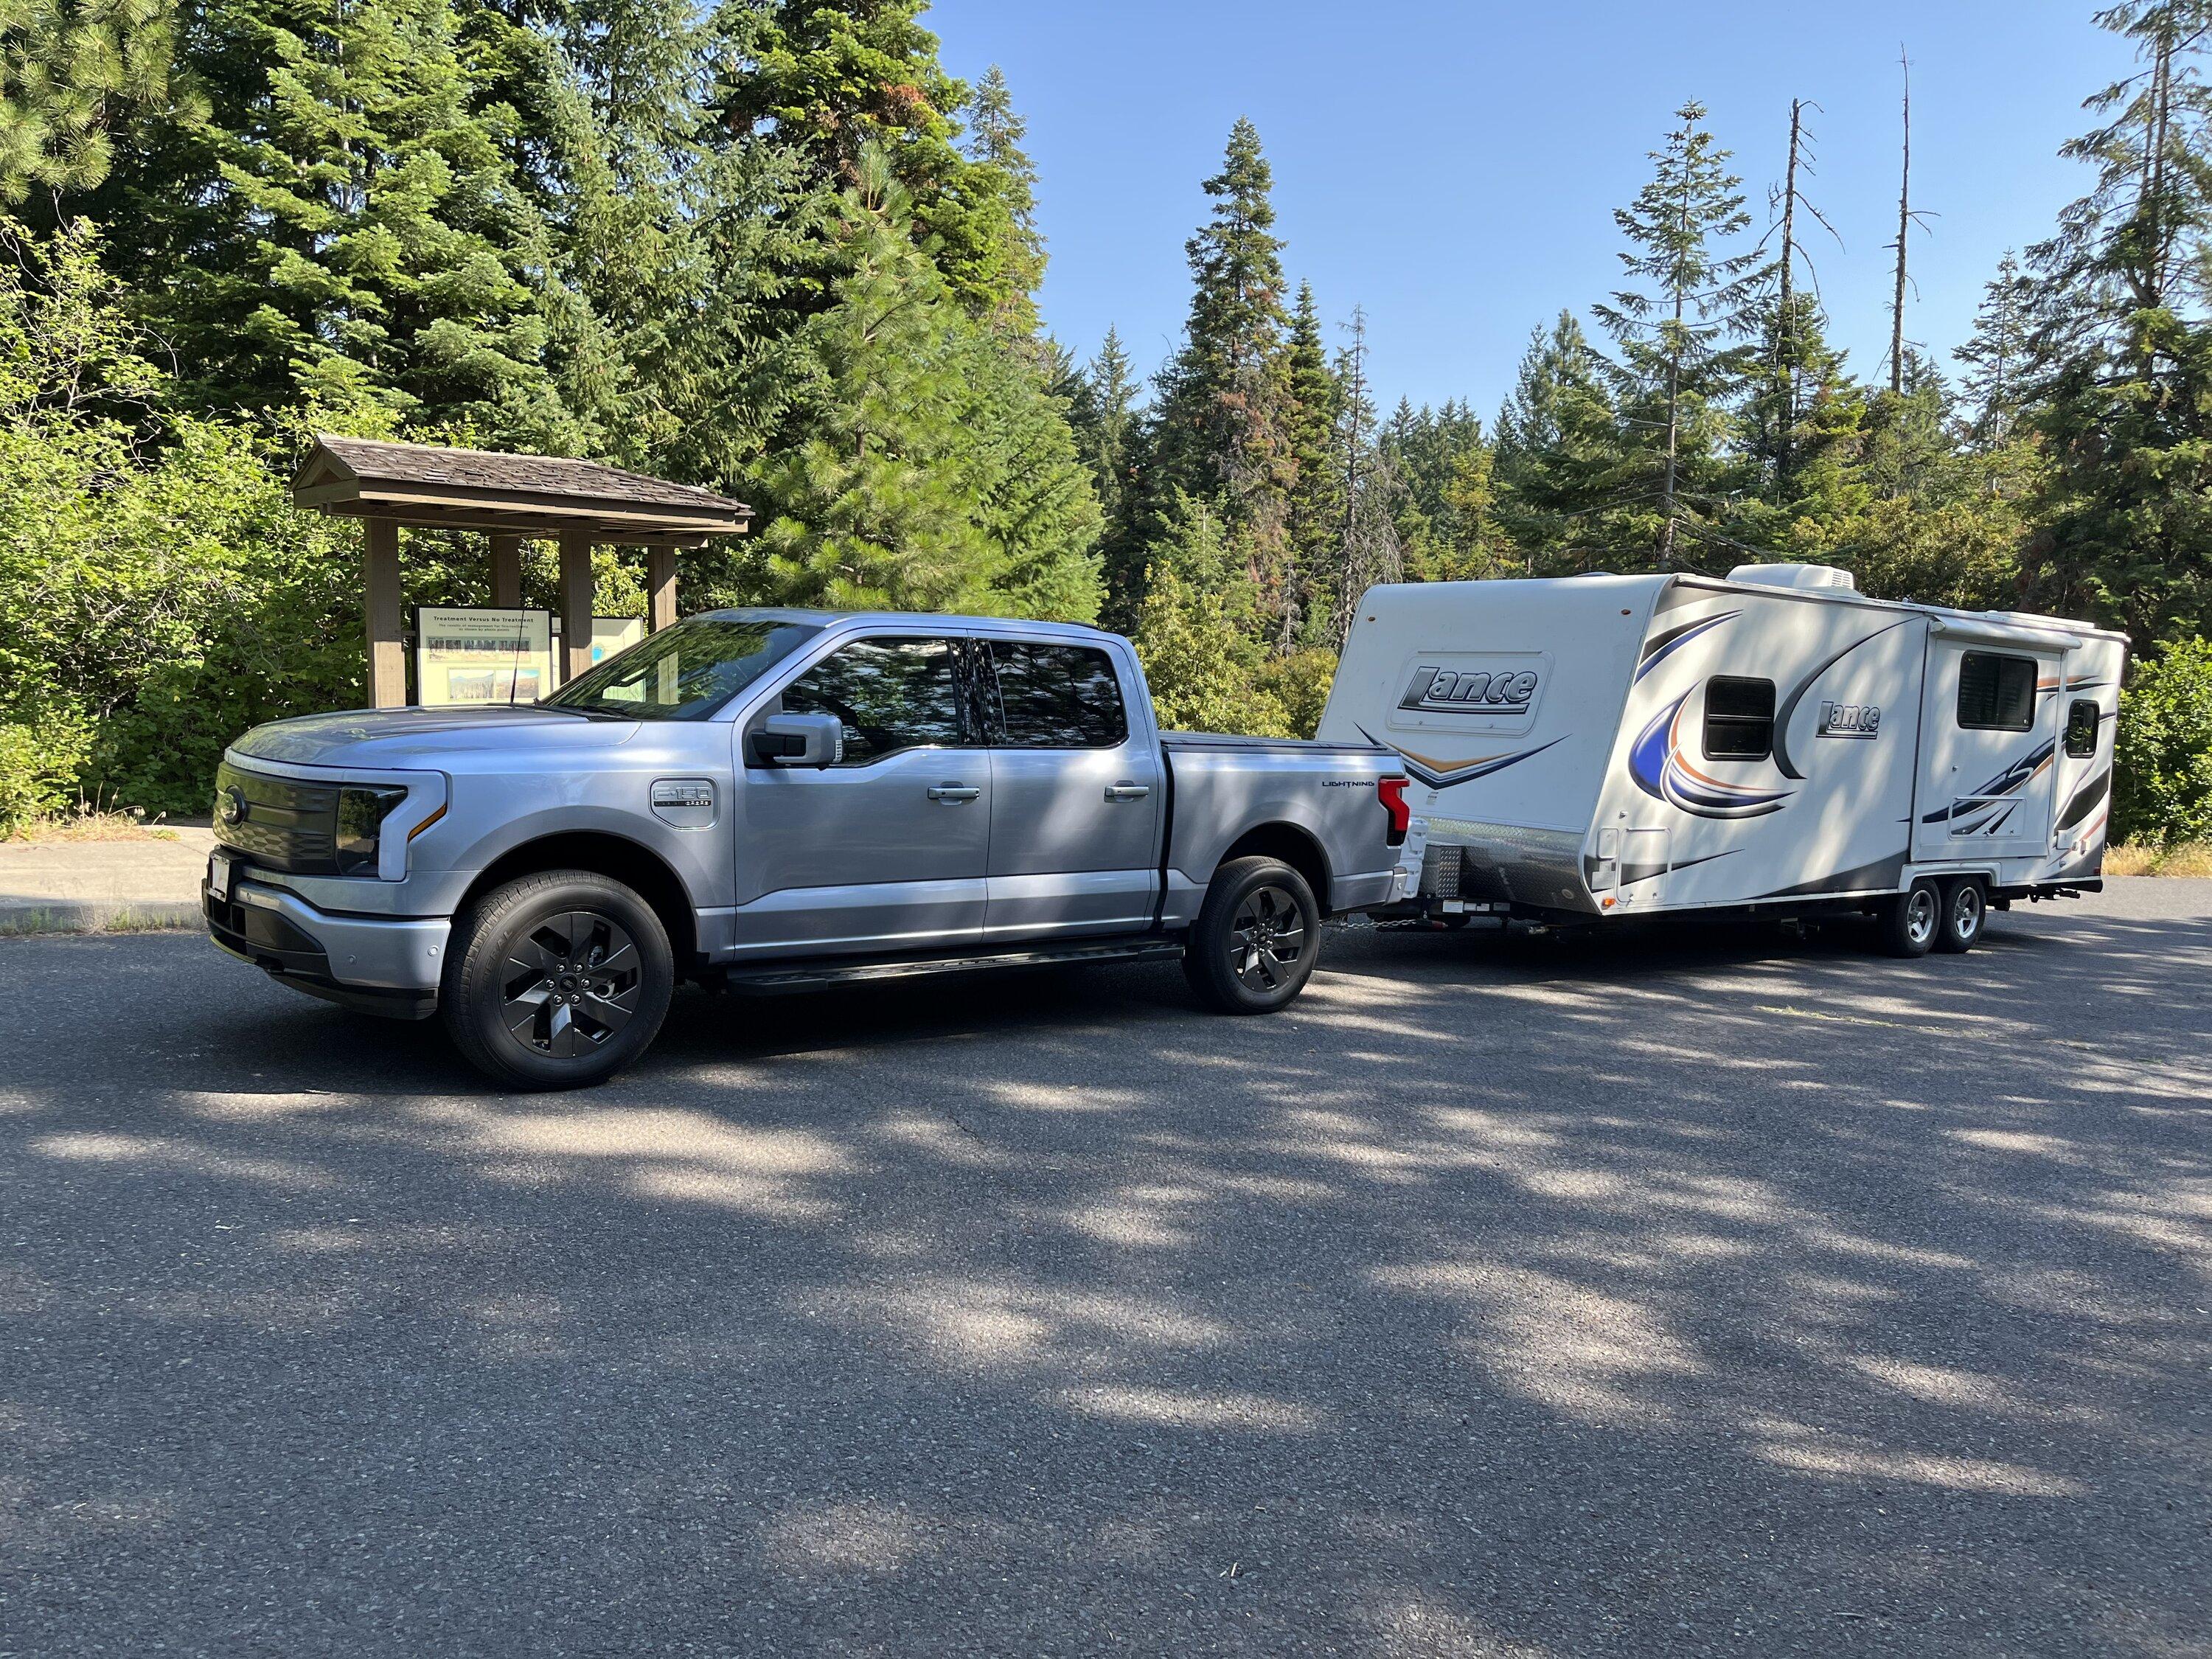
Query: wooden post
[507,571]
[575,603]
[659,587]
[387,659]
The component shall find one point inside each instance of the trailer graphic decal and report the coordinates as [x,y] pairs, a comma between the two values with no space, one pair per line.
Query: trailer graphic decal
[1659,646]
[1438,774]
[1985,809]
[1660,770]
[2086,800]
[1782,715]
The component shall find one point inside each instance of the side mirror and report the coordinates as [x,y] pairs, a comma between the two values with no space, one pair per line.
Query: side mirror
[800,740]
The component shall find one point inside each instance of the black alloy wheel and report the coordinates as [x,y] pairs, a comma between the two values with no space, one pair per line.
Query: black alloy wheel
[556,980]
[1256,939]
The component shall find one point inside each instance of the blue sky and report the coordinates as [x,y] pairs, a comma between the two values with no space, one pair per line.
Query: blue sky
[1453,168]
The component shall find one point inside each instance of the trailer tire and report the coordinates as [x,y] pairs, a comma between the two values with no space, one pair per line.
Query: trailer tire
[1256,939]
[1912,921]
[1965,909]
[556,980]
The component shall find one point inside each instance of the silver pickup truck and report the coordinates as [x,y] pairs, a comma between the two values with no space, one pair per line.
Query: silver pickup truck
[772,799]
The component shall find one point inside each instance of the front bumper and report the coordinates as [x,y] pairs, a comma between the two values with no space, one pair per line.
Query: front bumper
[376,965]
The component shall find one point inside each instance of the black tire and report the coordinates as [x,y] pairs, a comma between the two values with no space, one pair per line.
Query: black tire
[1256,939]
[1965,909]
[556,981]
[1911,923]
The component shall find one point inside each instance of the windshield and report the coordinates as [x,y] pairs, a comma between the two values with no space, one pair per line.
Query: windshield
[685,672]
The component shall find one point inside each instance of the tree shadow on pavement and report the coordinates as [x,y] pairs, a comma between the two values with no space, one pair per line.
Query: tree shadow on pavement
[1709,1291]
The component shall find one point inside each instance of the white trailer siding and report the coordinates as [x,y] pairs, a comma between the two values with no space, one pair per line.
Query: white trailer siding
[1616,745]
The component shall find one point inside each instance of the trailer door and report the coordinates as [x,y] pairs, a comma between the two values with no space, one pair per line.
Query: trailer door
[1989,732]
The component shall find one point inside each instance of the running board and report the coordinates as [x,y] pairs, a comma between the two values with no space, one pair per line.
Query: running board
[811,976]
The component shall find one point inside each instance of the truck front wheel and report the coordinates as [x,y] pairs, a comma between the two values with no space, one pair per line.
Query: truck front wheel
[556,980]
[1256,938]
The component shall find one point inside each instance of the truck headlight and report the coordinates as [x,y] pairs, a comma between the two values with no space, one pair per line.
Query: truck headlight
[363,809]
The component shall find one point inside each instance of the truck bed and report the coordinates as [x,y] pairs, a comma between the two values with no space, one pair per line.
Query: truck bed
[1322,793]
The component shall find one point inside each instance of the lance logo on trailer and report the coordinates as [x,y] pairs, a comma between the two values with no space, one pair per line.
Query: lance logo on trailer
[1506,691]
[1849,719]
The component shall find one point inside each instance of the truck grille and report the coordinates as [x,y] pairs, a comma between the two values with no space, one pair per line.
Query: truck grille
[277,822]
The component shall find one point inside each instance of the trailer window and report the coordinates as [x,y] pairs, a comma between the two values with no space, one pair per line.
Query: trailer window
[2082,720]
[1996,694]
[1739,718]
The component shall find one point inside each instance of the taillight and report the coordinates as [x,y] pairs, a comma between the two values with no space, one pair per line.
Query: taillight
[1391,791]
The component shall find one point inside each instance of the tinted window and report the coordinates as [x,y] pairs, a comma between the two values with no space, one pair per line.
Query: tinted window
[1996,694]
[888,694]
[2082,722]
[1057,696]
[685,672]
[1739,718]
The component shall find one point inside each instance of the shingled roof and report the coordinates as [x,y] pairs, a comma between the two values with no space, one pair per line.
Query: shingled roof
[524,495]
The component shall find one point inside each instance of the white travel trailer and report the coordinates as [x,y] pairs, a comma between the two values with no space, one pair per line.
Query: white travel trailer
[1600,746]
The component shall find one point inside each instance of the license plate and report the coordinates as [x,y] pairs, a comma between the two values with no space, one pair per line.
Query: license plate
[219,874]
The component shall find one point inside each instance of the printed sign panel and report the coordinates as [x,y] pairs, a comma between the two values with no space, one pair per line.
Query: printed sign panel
[481,655]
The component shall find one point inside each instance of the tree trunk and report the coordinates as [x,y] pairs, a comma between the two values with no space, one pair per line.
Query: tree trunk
[1904,224]
[1786,334]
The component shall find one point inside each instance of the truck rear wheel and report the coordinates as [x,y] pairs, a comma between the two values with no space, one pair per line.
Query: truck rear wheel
[557,980]
[1256,939]
[1965,908]
[1910,921]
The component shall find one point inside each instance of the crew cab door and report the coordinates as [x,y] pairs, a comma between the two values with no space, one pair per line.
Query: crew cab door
[1076,793]
[885,849]
[1989,733]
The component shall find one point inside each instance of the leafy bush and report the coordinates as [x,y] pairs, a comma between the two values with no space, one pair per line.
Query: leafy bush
[2162,784]
[39,766]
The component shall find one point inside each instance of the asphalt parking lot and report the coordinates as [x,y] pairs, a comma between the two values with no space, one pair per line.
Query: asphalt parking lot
[1720,1292]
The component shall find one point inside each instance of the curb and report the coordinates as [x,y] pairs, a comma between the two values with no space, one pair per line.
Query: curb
[21,917]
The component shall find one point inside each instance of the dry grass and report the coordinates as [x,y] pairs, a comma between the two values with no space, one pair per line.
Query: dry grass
[2185,858]
[2191,858]
[94,826]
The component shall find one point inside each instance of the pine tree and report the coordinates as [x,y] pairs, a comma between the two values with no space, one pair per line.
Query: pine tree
[1367,549]
[1802,426]
[1996,356]
[1315,507]
[837,77]
[1220,417]
[336,218]
[69,68]
[995,131]
[1103,414]
[1445,520]
[1681,340]
[2124,395]
[1195,630]
[937,474]
[1559,455]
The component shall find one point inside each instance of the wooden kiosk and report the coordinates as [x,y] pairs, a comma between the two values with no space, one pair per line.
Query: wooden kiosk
[512,499]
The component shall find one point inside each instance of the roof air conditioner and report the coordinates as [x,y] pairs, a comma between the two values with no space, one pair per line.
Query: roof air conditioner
[1794,575]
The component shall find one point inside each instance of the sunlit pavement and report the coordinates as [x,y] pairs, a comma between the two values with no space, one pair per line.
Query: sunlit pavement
[1727,1292]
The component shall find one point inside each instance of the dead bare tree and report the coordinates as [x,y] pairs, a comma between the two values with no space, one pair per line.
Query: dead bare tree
[1907,216]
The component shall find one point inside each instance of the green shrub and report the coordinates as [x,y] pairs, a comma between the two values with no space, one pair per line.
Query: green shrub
[2162,783]
[40,761]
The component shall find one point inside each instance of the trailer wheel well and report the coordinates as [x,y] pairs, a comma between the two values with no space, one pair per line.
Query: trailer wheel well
[1294,847]
[636,867]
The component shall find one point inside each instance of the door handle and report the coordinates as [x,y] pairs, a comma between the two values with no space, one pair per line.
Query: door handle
[953,793]
[1127,791]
